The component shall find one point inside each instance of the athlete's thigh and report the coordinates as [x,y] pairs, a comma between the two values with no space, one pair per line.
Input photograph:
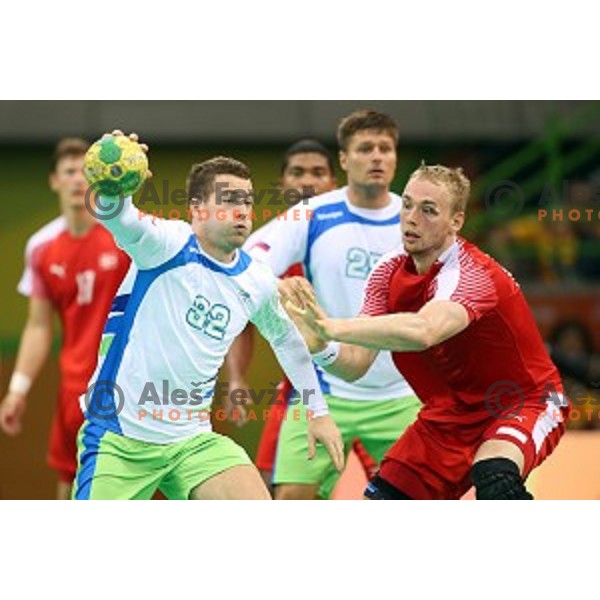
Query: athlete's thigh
[529,436]
[428,463]
[113,467]
[242,482]
[210,456]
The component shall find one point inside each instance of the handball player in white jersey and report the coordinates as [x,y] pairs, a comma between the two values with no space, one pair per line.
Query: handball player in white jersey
[338,237]
[190,291]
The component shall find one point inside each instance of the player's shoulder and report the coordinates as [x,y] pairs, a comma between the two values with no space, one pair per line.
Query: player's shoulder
[177,226]
[328,200]
[386,266]
[486,268]
[258,270]
[256,278]
[175,231]
[45,234]
[390,260]
[470,258]
[466,269]
[396,199]
[336,204]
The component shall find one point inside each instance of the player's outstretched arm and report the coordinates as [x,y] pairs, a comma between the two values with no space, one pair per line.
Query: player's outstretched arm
[34,349]
[149,241]
[293,356]
[436,322]
[347,361]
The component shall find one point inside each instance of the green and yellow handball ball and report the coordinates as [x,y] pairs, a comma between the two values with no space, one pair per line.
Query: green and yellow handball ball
[115,166]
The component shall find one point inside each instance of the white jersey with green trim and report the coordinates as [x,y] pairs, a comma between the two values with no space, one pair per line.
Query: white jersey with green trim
[338,244]
[171,324]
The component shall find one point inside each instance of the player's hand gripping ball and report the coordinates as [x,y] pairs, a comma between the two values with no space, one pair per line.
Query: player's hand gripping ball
[115,166]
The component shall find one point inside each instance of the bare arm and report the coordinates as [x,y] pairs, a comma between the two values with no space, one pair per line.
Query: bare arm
[353,362]
[36,339]
[436,322]
[34,349]
[363,336]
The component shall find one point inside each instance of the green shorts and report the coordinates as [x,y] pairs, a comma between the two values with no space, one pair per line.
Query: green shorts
[114,467]
[376,423]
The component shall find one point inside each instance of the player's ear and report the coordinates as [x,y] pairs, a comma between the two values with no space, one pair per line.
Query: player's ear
[458,220]
[52,182]
[193,205]
[343,160]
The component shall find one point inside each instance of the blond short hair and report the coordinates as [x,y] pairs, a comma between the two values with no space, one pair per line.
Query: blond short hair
[456,182]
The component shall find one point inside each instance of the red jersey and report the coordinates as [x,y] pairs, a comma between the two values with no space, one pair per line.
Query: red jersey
[500,347]
[79,276]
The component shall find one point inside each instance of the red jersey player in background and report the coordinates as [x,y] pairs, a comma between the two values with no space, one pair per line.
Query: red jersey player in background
[73,268]
[307,167]
[464,337]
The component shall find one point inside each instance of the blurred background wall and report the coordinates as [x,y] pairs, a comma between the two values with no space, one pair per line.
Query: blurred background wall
[279,121]
[548,151]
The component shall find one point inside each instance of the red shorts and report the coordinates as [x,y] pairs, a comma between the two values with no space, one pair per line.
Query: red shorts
[432,460]
[62,449]
[267,447]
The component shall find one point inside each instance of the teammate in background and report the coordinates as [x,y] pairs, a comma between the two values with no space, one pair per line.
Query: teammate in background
[73,268]
[190,292]
[463,335]
[307,167]
[338,238]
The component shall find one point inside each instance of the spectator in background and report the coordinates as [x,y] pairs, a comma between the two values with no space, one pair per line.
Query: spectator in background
[572,350]
[534,250]
[557,251]
[585,196]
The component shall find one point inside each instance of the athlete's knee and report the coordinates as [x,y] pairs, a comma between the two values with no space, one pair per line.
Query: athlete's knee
[498,479]
[380,489]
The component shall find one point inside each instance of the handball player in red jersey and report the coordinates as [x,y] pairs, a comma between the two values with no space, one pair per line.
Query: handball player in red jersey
[73,268]
[465,339]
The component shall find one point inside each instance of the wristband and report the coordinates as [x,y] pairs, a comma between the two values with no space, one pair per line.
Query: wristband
[327,356]
[20,383]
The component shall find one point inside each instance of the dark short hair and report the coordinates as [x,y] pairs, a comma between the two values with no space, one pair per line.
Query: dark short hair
[68,147]
[363,120]
[307,146]
[201,178]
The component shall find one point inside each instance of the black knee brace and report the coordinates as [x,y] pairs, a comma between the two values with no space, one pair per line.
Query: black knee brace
[498,479]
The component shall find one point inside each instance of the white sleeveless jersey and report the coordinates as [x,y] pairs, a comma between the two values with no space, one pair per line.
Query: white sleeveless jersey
[338,244]
[171,324]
